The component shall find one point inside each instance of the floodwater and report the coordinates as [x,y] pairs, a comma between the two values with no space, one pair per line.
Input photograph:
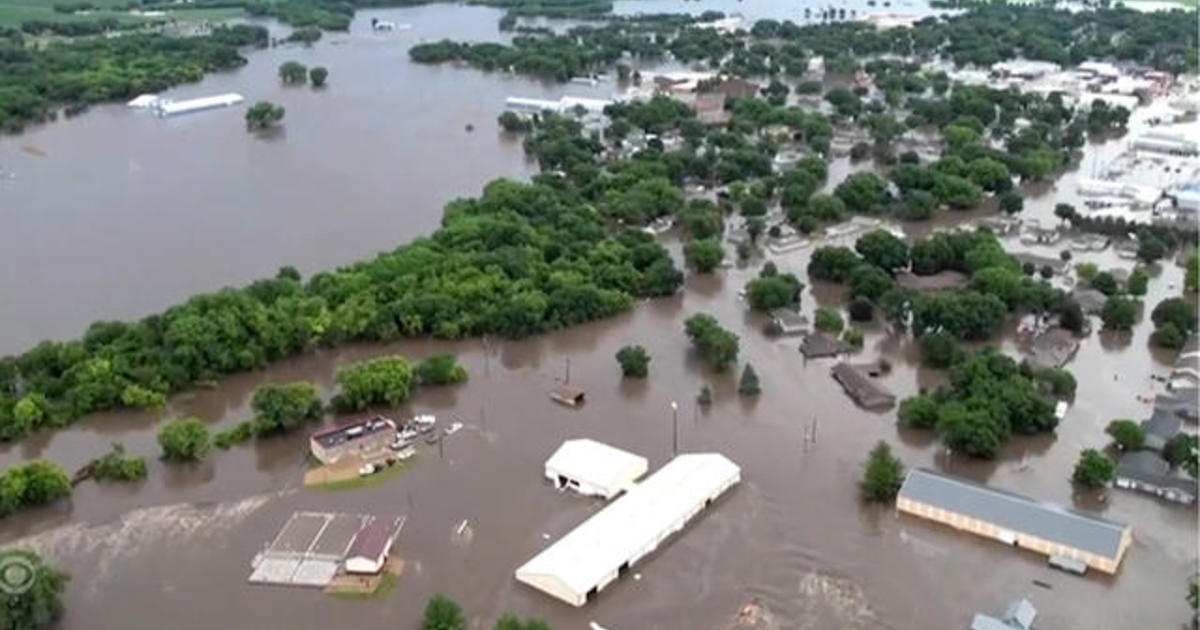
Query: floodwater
[792,536]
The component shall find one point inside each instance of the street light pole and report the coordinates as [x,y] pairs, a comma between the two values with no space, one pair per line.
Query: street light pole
[674,428]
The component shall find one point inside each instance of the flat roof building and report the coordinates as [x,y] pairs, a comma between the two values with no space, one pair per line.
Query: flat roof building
[364,438]
[1014,519]
[600,549]
[594,468]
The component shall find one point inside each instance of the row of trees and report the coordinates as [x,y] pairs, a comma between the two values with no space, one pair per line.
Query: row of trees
[443,613]
[520,260]
[296,73]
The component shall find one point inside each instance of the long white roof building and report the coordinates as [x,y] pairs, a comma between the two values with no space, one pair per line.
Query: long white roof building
[594,554]
[591,467]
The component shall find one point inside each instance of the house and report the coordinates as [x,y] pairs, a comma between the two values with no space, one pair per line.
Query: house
[1161,427]
[605,546]
[857,382]
[819,345]
[1146,471]
[710,108]
[1184,403]
[734,88]
[789,322]
[567,394]
[364,438]
[1018,616]
[1054,347]
[593,468]
[1014,520]
[369,551]
[1091,300]
[946,280]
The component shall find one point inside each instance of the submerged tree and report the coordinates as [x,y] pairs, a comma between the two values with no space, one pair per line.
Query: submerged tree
[884,474]
[293,72]
[318,75]
[634,360]
[184,440]
[749,386]
[443,613]
[1094,469]
[263,115]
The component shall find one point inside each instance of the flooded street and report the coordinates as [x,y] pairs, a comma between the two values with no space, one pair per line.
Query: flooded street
[125,214]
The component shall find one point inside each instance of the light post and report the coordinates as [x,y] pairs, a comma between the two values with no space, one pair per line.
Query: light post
[674,428]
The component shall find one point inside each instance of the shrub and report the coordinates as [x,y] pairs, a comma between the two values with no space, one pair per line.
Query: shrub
[441,369]
[1094,469]
[185,439]
[116,466]
[828,320]
[861,310]
[748,385]
[634,360]
[883,476]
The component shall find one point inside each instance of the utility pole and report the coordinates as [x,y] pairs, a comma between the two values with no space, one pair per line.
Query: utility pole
[568,379]
[674,428]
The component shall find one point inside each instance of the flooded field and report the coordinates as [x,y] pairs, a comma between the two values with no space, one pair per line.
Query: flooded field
[159,209]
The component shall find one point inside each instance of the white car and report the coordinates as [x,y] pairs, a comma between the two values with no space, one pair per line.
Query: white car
[367,470]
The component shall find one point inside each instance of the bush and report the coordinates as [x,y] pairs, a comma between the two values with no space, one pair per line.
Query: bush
[443,613]
[634,360]
[1181,450]
[828,320]
[1138,282]
[884,474]
[184,440]
[853,337]
[939,349]
[918,412]
[115,466]
[318,75]
[441,369]
[36,483]
[1126,434]
[138,397]
[1094,469]
[748,385]
[239,433]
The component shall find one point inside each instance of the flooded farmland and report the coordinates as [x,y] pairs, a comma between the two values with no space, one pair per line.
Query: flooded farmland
[183,205]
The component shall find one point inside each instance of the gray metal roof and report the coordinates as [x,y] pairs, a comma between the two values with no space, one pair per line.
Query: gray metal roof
[1014,512]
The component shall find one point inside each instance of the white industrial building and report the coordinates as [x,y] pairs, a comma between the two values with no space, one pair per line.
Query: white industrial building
[167,107]
[593,468]
[564,105]
[599,550]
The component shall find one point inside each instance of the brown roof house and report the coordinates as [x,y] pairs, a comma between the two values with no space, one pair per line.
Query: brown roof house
[857,381]
[710,108]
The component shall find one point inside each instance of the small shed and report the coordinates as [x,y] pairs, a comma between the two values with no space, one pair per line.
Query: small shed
[594,468]
[789,322]
[369,551]
[567,394]
[819,345]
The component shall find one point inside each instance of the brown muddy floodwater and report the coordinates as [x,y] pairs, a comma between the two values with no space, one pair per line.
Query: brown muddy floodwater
[125,214]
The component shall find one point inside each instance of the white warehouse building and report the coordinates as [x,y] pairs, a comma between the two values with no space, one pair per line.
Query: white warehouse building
[593,468]
[599,550]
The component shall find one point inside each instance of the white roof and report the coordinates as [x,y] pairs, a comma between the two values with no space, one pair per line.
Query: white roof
[178,107]
[144,100]
[597,464]
[632,525]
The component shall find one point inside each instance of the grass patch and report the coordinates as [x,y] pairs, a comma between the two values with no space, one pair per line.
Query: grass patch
[370,481]
[387,584]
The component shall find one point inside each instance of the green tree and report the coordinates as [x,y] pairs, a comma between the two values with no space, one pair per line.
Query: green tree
[828,320]
[634,360]
[509,621]
[443,613]
[853,337]
[1106,283]
[1191,280]
[940,349]
[293,72]
[137,397]
[918,412]
[318,75]
[1183,450]
[279,408]
[749,385]
[870,282]
[263,115]
[772,290]
[512,123]
[861,310]
[701,219]
[863,193]
[383,381]
[440,369]
[185,439]
[1127,434]
[1064,211]
[1138,282]
[1150,249]
[704,255]
[40,605]
[1094,469]
[1176,311]
[755,227]
[1118,313]
[833,263]
[117,466]
[1086,270]
[883,249]
[883,476]
[717,344]
[1011,202]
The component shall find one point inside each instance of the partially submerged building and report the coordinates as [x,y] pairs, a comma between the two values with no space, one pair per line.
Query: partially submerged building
[594,468]
[1162,425]
[567,394]
[1014,519]
[369,552]
[364,438]
[605,546]
[1018,616]
[1146,471]
[710,108]
[1054,347]
[819,345]
[861,387]
[790,322]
